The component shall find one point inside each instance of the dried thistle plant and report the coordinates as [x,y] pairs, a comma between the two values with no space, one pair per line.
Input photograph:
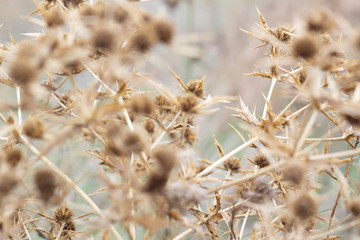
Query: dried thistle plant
[79,83]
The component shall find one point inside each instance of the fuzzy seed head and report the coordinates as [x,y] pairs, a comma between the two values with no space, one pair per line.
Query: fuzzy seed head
[303,206]
[232,164]
[261,161]
[142,105]
[305,47]
[46,184]
[103,39]
[63,214]
[22,72]
[164,30]
[34,128]
[7,184]
[354,206]
[320,21]
[187,102]
[294,173]
[13,156]
[196,87]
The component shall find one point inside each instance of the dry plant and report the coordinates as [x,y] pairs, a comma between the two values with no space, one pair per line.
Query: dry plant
[79,81]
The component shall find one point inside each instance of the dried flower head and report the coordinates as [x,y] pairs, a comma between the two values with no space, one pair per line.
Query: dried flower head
[260,160]
[46,184]
[141,105]
[7,184]
[164,30]
[54,17]
[34,128]
[143,39]
[13,156]
[320,21]
[103,39]
[232,164]
[354,206]
[150,126]
[303,206]
[187,102]
[305,47]
[63,214]
[166,156]
[196,87]
[134,142]
[22,72]
[294,173]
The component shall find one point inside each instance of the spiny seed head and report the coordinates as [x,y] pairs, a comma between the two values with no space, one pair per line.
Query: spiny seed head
[34,128]
[150,126]
[164,30]
[190,136]
[143,39]
[261,161]
[354,120]
[262,191]
[166,156]
[232,164]
[303,206]
[13,156]
[281,33]
[7,184]
[63,214]
[187,102]
[54,17]
[134,142]
[320,21]
[103,39]
[305,47]
[22,71]
[120,14]
[196,87]
[141,105]
[294,173]
[354,206]
[72,3]
[156,182]
[46,184]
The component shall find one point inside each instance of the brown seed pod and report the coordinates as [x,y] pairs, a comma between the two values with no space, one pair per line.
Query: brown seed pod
[261,161]
[166,156]
[164,30]
[134,142]
[34,128]
[72,3]
[294,173]
[196,87]
[150,126]
[103,39]
[320,21]
[22,71]
[187,102]
[13,156]
[141,105]
[353,206]
[305,47]
[143,39]
[63,214]
[54,17]
[46,184]
[7,184]
[303,206]
[232,164]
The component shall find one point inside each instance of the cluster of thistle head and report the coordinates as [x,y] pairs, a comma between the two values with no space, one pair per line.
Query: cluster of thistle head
[80,79]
